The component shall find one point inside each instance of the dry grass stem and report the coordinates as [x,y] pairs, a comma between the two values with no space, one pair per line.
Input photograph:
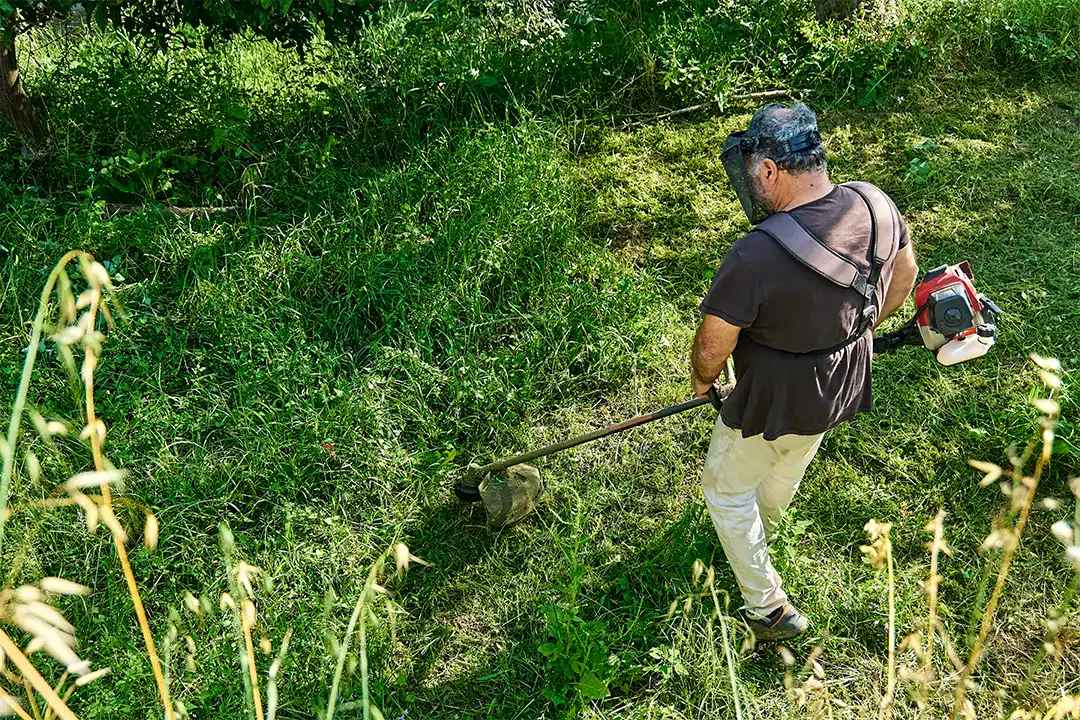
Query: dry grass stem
[9,705]
[271,677]
[937,546]
[119,537]
[19,660]
[1011,540]
[247,620]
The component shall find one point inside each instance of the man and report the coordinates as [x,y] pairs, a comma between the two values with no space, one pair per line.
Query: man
[794,304]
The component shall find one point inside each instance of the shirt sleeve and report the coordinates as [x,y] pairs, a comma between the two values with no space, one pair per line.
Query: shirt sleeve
[905,235]
[735,295]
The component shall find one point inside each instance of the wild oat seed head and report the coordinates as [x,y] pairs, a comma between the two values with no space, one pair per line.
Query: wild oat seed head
[33,466]
[672,608]
[243,576]
[192,604]
[1050,503]
[401,558]
[877,529]
[225,538]
[94,478]
[190,642]
[696,571]
[227,603]
[98,276]
[89,508]
[56,427]
[108,518]
[991,472]
[1072,553]
[150,531]
[59,586]
[995,539]
[1050,380]
[1063,531]
[27,594]
[68,336]
[1047,406]
[1046,363]
[787,656]
[91,677]
[87,297]
[50,615]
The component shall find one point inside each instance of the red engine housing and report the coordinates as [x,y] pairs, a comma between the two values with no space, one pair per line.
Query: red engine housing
[949,306]
[949,275]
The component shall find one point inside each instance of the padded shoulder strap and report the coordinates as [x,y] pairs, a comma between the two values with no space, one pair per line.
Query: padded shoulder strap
[884,217]
[808,250]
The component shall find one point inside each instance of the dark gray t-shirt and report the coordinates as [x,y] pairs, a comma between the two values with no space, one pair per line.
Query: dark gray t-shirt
[787,312]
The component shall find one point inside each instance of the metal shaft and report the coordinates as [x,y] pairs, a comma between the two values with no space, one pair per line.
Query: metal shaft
[592,435]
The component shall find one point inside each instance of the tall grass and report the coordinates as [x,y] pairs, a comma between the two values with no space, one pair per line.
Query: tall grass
[219,140]
[1020,487]
[47,627]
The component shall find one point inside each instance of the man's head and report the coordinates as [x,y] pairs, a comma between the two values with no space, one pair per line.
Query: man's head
[782,153]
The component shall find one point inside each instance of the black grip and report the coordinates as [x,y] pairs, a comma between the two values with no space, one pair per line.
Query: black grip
[715,399]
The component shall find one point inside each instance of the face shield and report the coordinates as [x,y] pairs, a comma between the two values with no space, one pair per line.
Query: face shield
[733,157]
[736,150]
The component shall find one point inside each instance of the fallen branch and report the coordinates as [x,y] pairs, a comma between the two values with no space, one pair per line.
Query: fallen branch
[694,108]
[127,209]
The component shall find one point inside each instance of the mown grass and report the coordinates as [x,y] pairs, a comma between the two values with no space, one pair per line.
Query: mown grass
[314,369]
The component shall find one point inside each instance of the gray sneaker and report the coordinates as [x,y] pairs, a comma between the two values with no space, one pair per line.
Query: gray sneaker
[783,623]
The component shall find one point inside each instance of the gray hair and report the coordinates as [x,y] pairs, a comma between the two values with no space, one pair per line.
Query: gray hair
[781,122]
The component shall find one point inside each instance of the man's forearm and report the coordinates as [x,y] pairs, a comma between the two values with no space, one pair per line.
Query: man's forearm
[713,344]
[903,280]
[706,368]
[892,304]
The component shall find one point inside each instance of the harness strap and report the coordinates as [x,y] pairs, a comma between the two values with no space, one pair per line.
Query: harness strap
[808,249]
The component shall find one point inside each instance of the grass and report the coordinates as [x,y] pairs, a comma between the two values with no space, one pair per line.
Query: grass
[390,304]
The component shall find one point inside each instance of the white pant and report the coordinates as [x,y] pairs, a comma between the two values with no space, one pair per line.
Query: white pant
[744,481]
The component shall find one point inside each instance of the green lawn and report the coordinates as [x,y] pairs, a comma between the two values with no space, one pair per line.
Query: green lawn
[315,373]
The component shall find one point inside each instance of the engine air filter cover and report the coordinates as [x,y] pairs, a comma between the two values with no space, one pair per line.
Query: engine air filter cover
[950,310]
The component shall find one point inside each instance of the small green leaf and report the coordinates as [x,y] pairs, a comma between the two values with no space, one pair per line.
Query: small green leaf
[592,687]
[101,16]
[547,649]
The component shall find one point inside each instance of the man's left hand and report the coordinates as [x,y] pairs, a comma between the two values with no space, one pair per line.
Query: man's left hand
[701,389]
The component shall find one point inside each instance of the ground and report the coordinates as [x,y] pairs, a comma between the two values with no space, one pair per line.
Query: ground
[317,378]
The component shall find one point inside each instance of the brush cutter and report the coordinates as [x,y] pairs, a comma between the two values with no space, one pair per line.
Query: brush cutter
[953,321]
[507,500]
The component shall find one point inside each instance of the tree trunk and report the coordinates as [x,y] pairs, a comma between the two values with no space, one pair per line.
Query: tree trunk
[835,9]
[16,106]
